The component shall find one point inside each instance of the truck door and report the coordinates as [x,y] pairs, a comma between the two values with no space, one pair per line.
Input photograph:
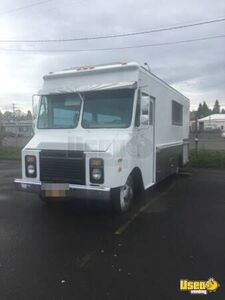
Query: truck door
[146,140]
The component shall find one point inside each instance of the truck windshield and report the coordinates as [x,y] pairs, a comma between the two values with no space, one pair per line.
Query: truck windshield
[59,111]
[108,109]
[101,109]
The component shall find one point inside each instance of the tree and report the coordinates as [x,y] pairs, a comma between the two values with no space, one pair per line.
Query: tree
[200,113]
[216,108]
[29,115]
[18,115]
[1,128]
[8,116]
[205,109]
[193,114]
[2,134]
[223,111]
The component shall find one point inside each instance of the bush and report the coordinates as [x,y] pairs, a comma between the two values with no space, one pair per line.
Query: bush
[207,159]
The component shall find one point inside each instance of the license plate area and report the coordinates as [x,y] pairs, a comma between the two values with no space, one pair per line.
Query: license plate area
[55,189]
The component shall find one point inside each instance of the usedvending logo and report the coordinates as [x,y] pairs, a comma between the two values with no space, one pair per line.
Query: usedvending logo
[199,286]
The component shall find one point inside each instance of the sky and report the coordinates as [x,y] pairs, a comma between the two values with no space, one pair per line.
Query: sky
[196,69]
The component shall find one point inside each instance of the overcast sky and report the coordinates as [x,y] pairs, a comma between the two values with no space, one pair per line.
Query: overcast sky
[196,69]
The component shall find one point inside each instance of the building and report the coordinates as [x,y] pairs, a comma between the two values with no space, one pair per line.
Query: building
[17,128]
[210,123]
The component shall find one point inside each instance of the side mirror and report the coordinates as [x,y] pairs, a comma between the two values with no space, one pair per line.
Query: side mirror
[35,105]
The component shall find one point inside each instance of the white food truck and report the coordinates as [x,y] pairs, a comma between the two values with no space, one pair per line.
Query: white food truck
[105,132]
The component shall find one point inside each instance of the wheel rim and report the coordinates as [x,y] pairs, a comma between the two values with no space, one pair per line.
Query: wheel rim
[126,195]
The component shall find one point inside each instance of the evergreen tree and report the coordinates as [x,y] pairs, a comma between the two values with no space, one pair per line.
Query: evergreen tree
[29,115]
[200,113]
[223,111]
[8,116]
[205,109]
[216,108]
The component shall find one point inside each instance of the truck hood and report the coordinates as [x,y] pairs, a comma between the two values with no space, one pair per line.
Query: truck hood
[87,141]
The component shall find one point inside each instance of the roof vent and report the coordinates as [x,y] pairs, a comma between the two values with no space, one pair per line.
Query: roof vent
[147,66]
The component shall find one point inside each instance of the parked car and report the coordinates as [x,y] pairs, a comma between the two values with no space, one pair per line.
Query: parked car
[223,135]
[211,127]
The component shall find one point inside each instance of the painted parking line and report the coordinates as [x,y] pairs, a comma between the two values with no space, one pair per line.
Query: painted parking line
[123,227]
[86,259]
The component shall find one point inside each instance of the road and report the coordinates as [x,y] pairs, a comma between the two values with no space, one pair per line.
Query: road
[77,251]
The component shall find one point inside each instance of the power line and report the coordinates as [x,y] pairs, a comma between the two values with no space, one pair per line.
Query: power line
[114,48]
[174,27]
[23,7]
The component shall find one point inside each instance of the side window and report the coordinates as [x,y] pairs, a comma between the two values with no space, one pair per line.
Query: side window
[145,109]
[177,113]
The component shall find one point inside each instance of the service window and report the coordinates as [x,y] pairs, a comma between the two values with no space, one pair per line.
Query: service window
[177,113]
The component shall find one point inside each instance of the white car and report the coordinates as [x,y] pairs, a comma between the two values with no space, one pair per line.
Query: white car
[223,135]
[210,127]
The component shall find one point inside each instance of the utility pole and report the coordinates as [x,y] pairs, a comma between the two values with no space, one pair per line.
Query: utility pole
[14,108]
[196,134]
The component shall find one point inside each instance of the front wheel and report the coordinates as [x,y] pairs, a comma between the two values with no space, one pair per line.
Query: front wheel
[122,197]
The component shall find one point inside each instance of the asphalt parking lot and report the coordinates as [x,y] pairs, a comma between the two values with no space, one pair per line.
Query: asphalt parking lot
[82,251]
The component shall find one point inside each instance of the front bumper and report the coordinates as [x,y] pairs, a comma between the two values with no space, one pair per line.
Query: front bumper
[74,190]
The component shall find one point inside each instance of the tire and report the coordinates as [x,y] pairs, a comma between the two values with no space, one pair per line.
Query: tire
[122,197]
[177,171]
[179,164]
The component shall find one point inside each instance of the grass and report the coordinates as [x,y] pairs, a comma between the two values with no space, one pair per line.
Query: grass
[10,153]
[207,159]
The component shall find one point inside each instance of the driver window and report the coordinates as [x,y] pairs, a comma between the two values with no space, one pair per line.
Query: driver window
[145,109]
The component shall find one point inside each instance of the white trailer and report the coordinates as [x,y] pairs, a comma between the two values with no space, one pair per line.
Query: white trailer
[104,132]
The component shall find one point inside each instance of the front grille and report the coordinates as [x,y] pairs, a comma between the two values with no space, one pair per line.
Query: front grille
[62,166]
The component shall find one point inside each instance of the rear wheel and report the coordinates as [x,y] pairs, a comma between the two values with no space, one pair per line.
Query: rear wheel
[179,164]
[122,197]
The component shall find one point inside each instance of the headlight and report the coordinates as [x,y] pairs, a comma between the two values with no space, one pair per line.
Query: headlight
[30,166]
[96,174]
[30,169]
[96,170]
